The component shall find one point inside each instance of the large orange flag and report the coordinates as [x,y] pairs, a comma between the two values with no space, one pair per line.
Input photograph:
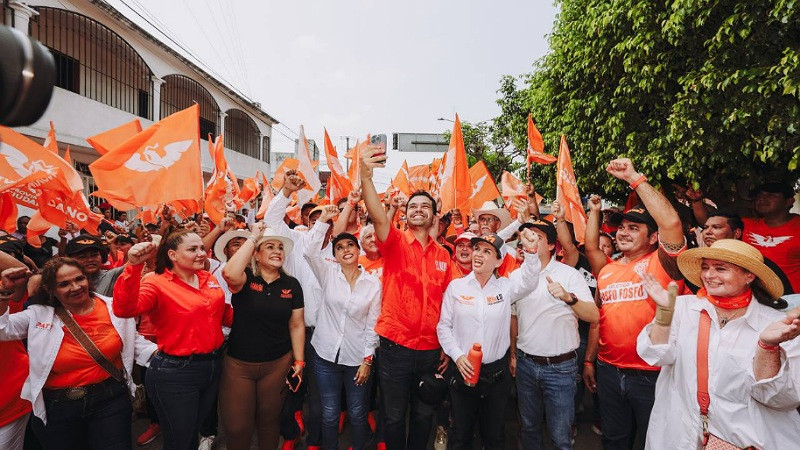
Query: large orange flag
[50,141]
[401,180]
[223,187]
[111,139]
[512,188]
[484,189]
[251,187]
[419,178]
[158,165]
[536,147]
[338,183]
[354,174]
[305,168]
[567,192]
[456,187]
[266,197]
[285,166]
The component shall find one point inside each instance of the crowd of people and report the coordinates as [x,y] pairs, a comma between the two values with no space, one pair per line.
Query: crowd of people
[682,327]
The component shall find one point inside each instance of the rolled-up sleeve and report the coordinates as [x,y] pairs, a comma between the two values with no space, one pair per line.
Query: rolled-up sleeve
[782,391]
[657,355]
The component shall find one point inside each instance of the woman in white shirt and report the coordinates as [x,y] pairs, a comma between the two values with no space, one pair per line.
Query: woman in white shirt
[344,339]
[753,357]
[477,309]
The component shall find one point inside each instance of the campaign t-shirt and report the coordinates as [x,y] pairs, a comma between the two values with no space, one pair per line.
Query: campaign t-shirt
[780,244]
[626,308]
[372,267]
[13,373]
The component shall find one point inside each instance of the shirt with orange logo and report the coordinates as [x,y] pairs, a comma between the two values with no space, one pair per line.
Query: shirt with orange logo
[414,280]
[626,308]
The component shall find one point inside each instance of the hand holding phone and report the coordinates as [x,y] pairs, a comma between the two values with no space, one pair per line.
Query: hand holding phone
[293,380]
[380,140]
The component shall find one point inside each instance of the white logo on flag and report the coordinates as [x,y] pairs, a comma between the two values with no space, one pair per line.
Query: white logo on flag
[150,160]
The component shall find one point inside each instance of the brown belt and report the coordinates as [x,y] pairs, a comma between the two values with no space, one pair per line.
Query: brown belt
[549,359]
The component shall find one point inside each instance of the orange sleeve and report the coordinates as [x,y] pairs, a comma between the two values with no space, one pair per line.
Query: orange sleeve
[132,296]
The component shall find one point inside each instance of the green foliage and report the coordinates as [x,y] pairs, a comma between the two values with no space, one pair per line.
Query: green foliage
[701,92]
[482,144]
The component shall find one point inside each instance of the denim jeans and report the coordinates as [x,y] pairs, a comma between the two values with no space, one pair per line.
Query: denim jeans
[309,391]
[183,391]
[101,420]
[399,373]
[484,403]
[552,386]
[332,377]
[626,398]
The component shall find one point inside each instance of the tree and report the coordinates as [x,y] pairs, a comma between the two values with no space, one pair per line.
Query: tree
[483,144]
[701,92]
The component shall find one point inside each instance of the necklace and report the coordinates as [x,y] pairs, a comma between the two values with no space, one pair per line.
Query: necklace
[724,320]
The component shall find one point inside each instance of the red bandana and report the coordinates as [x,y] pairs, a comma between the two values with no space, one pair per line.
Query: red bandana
[738,301]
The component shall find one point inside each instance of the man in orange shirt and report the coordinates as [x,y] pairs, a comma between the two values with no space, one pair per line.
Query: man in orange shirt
[416,273]
[649,244]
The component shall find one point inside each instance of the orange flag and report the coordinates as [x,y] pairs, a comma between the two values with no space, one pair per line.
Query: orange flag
[160,164]
[50,141]
[59,207]
[250,190]
[111,139]
[305,169]
[285,166]
[354,174]
[338,183]
[567,192]
[67,157]
[419,178]
[401,180]
[223,187]
[484,189]
[456,187]
[536,147]
[8,213]
[185,208]
[266,197]
[512,189]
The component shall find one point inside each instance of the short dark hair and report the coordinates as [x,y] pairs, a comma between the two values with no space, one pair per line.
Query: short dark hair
[422,193]
[734,220]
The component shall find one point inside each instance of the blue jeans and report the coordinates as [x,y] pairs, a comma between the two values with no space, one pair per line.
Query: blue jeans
[552,386]
[183,391]
[101,420]
[294,402]
[399,374]
[626,399]
[331,377]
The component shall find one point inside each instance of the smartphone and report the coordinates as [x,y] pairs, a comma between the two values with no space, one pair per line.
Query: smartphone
[293,380]
[380,140]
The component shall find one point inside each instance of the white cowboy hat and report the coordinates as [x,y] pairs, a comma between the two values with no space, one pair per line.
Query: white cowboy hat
[222,242]
[272,235]
[735,252]
[490,208]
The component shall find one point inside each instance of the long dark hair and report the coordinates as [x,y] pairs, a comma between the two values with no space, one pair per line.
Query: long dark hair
[44,295]
[761,296]
[171,242]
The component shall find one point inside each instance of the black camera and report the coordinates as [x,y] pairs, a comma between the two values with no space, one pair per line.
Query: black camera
[27,75]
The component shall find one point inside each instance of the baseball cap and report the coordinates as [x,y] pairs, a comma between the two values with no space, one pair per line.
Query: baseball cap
[636,214]
[342,237]
[432,388]
[776,187]
[465,236]
[85,242]
[494,240]
[543,225]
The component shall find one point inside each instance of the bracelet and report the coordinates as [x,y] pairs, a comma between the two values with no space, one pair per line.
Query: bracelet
[352,203]
[638,182]
[368,360]
[588,363]
[767,347]
[299,363]
[574,300]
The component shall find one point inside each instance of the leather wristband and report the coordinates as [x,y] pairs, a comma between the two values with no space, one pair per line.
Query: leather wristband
[664,315]
[574,300]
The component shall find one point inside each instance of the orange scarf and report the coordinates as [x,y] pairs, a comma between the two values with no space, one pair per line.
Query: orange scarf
[738,301]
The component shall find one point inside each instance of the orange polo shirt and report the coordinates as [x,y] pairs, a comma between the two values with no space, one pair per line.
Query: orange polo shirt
[373,267]
[13,373]
[186,320]
[73,365]
[414,280]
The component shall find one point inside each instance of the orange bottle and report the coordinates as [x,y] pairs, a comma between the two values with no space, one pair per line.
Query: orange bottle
[475,356]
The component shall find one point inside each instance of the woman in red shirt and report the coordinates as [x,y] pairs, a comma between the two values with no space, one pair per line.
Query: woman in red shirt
[186,306]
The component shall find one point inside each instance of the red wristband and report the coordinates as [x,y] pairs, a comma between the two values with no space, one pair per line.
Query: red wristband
[767,347]
[588,363]
[299,363]
[638,182]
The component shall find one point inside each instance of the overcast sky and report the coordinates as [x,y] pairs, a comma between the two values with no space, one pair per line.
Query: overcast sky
[360,66]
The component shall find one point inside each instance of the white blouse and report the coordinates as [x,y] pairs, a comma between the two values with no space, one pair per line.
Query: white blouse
[743,411]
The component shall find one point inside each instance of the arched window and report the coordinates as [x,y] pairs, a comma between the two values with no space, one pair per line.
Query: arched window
[241,133]
[180,92]
[94,61]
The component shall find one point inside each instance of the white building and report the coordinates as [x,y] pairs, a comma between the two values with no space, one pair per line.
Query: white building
[110,71]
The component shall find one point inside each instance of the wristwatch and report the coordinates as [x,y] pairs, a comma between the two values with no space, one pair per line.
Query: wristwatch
[574,300]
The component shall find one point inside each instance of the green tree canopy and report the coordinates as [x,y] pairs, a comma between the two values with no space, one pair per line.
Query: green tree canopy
[701,92]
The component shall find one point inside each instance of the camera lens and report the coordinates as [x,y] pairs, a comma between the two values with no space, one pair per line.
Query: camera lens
[27,74]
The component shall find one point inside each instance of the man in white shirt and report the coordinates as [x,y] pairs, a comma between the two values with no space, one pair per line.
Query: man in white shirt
[545,346]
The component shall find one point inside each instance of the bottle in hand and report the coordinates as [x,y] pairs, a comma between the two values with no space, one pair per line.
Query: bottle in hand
[475,356]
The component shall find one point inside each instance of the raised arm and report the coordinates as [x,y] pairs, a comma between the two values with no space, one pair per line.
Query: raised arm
[226,224]
[233,272]
[699,208]
[340,226]
[597,259]
[276,210]
[13,289]
[132,297]
[312,251]
[369,161]
[521,206]
[670,230]
[565,236]
[533,205]
[525,280]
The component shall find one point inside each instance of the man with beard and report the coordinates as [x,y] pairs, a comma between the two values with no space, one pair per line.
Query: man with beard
[416,273]
[91,252]
[649,244]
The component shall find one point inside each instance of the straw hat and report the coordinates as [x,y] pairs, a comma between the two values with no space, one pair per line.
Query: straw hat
[272,235]
[222,242]
[490,208]
[735,252]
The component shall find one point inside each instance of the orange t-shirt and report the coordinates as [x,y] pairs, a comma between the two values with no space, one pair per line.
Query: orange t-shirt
[13,373]
[73,366]
[780,244]
[509,265]
[372,267]
[626,308]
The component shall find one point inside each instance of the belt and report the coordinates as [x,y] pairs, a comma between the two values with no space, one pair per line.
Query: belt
[196,356]
[79,392]
[549,359]
[630,372]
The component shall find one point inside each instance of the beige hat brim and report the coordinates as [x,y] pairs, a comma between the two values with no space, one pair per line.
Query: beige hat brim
[500,213]
[690,264]
[222,242]
[288,244]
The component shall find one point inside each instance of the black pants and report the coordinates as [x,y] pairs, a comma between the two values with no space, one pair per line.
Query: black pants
[485,404]
[400,371]
[99,421]
[626,399]
[183,392]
